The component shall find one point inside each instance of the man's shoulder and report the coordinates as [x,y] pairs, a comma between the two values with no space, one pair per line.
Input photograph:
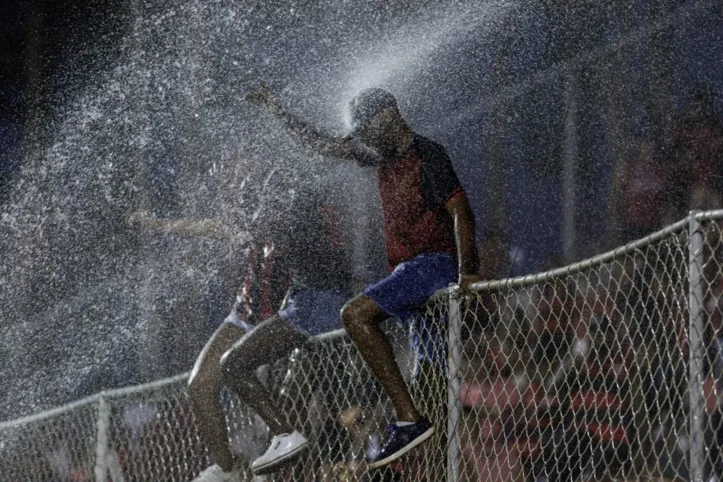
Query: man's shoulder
[429,150]
[363,155]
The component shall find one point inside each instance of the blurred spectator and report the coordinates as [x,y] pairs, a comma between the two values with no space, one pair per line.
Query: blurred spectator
[553,327]
[695,174]
[479,311]
[495,402]
[637,195]
[598,402]
[494,264]
[494,261]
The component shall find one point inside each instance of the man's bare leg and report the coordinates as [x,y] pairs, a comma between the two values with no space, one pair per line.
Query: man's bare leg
[361,317]
[269,341]
[203,388]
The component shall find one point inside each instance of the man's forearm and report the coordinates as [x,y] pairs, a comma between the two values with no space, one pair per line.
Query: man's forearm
[464,228]
[303,131]
[466,250]
[310,137]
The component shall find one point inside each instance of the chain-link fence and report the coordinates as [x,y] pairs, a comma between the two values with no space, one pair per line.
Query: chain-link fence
[603,370]
[148,433]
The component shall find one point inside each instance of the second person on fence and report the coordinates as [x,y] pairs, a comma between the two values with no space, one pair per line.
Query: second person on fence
[297,244]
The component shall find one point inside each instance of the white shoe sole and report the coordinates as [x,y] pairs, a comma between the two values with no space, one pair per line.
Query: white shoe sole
[276,464]
[416,442]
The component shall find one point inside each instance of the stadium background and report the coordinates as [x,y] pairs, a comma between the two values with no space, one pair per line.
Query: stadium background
[548,100]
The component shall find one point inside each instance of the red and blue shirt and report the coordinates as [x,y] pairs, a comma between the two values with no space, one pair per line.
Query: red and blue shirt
[309,255]
[415,189]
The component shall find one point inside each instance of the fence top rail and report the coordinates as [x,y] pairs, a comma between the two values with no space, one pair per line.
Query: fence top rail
[126,391]
[108,394]
[9,424]
[596,260]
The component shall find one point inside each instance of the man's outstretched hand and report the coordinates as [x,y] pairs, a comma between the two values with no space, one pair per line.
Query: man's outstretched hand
[140,218]
[465,280]
[264,97]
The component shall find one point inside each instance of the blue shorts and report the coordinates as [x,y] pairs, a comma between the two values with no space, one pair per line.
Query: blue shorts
[309,312]
[234,318]
[314,312]
[404,294]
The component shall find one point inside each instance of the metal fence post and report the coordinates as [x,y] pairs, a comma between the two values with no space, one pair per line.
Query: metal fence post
[101,447]
[696,349]
[454,404]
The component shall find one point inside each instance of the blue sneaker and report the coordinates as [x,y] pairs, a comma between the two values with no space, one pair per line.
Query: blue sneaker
[401,440]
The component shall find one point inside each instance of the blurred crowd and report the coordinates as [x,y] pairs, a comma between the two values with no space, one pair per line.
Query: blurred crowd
[584,376]
[663,179]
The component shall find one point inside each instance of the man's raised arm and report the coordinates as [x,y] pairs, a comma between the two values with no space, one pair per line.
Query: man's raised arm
[458,207]
[311,138]
[185,227]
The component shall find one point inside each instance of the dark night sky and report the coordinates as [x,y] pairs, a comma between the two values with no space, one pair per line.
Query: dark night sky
[68,34]
[12,48]
[48,47]
[61,42]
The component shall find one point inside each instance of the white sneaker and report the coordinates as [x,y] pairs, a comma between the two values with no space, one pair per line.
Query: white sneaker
[215,474]
[284,448]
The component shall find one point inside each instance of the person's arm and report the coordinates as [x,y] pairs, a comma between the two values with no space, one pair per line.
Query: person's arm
[324,144]
[184,227]
[444,191]
[464,233]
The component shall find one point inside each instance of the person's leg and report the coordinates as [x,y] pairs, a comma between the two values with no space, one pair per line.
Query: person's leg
[312,312]
[361,317]
[296,395]
[268,342]
[403,294]
[203,389]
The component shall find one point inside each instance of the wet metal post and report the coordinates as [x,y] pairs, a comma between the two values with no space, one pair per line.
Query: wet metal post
[569,175]
[101,447]
[454,404]
[695,338]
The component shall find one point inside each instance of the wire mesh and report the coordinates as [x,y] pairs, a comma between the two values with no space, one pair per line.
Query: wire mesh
[580,376]
[61,446]
[606,370]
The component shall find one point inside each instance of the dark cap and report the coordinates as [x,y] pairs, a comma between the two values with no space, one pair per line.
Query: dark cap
[367,104]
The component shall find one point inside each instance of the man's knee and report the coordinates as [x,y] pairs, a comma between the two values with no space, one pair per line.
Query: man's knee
[234,363]
[356,314]
[204,386]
